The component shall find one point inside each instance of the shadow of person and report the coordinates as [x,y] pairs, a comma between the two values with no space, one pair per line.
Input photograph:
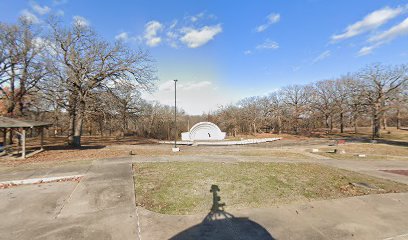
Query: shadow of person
[220,225]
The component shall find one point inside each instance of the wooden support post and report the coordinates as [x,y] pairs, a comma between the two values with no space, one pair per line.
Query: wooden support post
[42,138]
[23,143]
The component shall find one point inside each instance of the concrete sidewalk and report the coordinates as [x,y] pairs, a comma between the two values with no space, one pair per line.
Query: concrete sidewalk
[367,217]
[44,172]
[101,206]
[372,167]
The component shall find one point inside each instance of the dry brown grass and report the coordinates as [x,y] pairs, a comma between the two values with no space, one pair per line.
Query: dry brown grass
[373,151]
[391,133]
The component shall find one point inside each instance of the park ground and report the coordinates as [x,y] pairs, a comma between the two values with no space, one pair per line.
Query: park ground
[138,189]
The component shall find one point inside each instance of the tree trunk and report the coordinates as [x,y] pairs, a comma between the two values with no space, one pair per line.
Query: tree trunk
[72,111]
[398,118]
[331,123]
[78,124]
[341,122]
[355,118]
[376,122]
[279,124]
[326,122]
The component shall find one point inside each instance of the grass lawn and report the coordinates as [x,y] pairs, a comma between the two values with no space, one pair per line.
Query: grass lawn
[372,151]
[183,188]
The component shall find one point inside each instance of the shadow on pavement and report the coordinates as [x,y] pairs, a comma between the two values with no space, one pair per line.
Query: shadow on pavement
[219,224]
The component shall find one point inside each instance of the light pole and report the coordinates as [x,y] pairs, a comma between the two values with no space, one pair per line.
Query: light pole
[175,149]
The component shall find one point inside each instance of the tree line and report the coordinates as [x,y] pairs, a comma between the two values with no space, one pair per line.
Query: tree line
[70,76]
[370,97]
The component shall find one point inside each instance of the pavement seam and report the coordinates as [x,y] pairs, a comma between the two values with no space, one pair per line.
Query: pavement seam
[139,229]
[72,193]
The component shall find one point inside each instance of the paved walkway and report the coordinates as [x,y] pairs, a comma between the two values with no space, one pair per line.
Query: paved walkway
[102,206]
[367,217]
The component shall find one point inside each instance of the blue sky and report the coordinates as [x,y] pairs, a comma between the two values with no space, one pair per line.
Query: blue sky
[222,51]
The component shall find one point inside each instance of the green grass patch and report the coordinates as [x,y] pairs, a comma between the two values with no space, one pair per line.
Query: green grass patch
[183,188]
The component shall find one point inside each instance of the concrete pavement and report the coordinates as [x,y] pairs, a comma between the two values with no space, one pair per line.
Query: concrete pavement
[366,217]
[101,206]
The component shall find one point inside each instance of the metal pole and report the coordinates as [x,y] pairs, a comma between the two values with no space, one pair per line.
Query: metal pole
[175,113]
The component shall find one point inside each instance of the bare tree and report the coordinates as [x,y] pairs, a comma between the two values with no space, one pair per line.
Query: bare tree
[296,98]
[84,63]
[380,83]
[21,67]
[276,109]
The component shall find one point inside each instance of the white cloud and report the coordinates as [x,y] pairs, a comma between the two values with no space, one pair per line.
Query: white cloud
[395,31]
[197,17]
[381,38]
[369,22]
[30,17]
[152,28]
[81,21]
[189,32]
[42,10]
[194,38]
[123,36]
[322,56]
[271,19]
[366,50]
[268,44]
[173,24]
[172,38]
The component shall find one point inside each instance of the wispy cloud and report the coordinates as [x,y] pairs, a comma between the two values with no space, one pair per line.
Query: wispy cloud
[123,36]
[369,22]
[321,56]
[271,19]
[381,38]
[59,13]
[42,10]
[248,52]
[59,2]
[29,16]
[392,33]
[367,50]
[152,29]
[268,44]
[194,38]
[197,17]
